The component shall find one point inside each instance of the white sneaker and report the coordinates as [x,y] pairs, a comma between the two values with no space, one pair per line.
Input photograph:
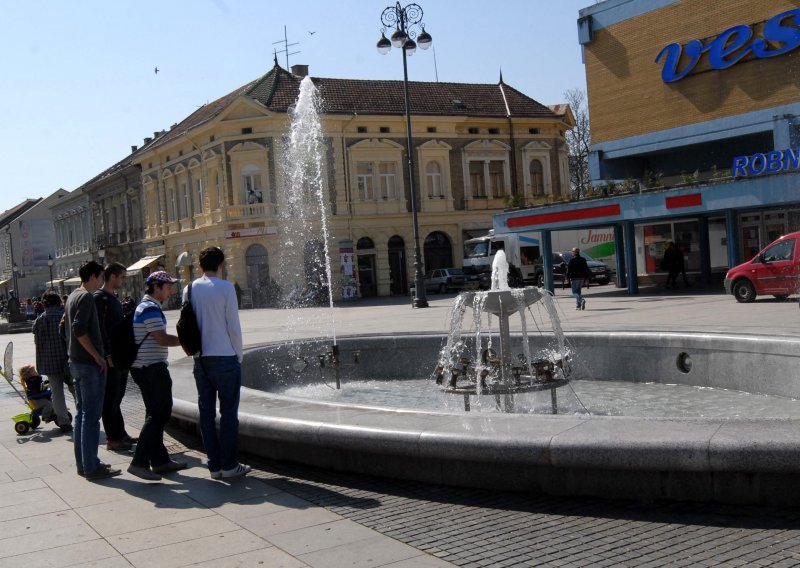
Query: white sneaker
[216,474]
[237,471]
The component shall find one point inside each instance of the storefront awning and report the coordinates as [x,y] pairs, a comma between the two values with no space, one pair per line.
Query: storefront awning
[145,262]
[184,259]
[74,281]
[55,282]
[5,282]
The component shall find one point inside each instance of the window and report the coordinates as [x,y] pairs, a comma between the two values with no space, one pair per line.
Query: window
[433,178]
[537,177]
[247,130]
[186,197]
[364,176]
[494,131]
[783,250]
[199,190]
[533,131]
[496,178]
[473,130]
[388,179]
[172,211]
[431,129]
[252,191]
[476,183]
[384,129]
[361,129]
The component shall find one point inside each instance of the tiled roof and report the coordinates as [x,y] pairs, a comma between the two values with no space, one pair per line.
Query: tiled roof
[278,90]
[9,215]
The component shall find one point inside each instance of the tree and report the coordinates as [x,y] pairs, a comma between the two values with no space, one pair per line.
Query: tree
[578,140]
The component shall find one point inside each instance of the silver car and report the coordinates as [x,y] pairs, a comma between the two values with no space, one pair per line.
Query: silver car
[444,280]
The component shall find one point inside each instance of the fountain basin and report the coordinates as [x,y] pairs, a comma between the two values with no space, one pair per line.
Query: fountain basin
[695,459]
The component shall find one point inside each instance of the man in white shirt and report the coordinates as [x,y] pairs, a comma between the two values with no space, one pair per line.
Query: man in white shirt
[218,366]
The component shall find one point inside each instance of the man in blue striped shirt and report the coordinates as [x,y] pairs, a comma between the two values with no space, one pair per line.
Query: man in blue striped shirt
[150,373]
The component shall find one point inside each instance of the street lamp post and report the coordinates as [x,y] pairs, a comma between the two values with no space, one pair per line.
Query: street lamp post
[50,263]
[101,254]
[15,270]
[405,20]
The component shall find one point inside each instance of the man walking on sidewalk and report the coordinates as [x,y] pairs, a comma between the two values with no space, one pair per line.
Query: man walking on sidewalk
[218,366]
[577,272]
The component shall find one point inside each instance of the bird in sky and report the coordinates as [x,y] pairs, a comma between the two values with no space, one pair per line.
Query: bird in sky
[156,70]
[311,33]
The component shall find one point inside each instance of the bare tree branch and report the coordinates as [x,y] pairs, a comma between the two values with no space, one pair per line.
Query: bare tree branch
[578,140]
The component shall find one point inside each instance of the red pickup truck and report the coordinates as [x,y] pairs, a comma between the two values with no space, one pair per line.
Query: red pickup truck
[775,270]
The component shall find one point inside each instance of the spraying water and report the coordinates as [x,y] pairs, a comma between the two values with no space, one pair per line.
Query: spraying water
[305,264]
[500,271]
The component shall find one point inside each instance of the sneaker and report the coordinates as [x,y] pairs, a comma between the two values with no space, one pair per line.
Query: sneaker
[237,471]
[216,474]
[583,304]
[143,473]
[169,467]
[118,446]
[102,472]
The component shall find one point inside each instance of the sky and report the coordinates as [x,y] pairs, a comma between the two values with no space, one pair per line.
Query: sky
[78,85]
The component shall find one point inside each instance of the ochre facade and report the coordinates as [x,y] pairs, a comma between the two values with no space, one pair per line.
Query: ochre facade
[627,96]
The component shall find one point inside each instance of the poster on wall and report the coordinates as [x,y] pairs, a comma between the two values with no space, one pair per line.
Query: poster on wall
[36,241]
[347,261]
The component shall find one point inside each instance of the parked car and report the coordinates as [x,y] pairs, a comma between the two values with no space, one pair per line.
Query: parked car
[775,270]
[444,280]
[601,273]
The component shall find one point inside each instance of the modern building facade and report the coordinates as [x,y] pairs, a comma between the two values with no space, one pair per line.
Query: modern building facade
[216,177]
[694,114]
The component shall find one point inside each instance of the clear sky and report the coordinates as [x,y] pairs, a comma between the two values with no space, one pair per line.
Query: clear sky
[79,89]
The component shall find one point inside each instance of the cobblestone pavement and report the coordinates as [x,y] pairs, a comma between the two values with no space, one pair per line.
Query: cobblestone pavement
[475,528]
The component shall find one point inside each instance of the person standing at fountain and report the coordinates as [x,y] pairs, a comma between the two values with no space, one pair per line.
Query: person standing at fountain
[218,365]
[150,373]
[109,310]
[577,272]
[87,365]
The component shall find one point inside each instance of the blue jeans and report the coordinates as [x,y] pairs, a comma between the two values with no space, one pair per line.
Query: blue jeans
[90,389]
[219,377]
[576,284]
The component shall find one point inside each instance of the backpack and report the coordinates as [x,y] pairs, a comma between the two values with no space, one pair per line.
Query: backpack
[124,348]
[188,329]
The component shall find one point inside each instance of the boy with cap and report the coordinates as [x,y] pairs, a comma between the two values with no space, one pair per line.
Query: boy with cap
[150,373]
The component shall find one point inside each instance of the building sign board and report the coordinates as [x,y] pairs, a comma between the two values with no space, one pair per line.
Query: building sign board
[250,232]
[767,163]
[780,34]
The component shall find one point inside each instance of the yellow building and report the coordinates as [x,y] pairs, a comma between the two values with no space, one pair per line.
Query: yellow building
[215,177]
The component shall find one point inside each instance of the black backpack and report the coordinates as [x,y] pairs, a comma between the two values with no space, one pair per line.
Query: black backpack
[188,330]
[124,348]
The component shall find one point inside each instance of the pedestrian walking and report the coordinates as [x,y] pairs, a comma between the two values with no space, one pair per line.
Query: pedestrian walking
[150,373]
[87,364]
[218,366]
[109,310]
[672,264]
[51,356]
[578,272]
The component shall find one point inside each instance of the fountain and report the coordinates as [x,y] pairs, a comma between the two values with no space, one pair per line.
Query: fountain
[488,373]
[417,435]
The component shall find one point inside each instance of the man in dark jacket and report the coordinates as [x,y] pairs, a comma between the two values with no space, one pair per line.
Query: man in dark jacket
[109,312]
[577,272]
[51,356]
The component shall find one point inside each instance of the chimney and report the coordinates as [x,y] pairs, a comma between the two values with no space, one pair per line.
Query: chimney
[134,148]
[147,141]
[155,134]
[300,70]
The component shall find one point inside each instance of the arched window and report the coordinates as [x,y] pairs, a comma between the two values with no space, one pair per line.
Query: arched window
[438,251]
[365,243]
[537,177]
[433,178]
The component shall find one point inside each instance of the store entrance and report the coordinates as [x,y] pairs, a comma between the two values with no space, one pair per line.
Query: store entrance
[760,229]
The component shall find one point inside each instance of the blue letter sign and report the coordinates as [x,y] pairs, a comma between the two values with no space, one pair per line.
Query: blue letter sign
[732,45]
